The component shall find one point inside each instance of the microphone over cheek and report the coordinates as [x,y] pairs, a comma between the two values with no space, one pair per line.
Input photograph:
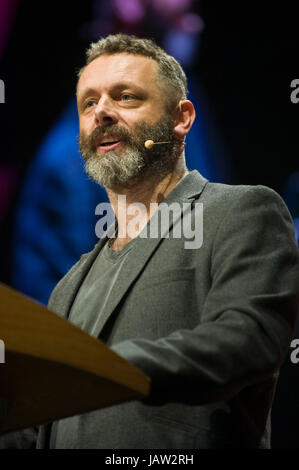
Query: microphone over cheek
[150,143]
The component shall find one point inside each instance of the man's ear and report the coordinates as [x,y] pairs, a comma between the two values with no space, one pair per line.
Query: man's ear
[184,118]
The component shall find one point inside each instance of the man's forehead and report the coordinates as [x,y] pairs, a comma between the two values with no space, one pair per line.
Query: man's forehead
[106,69]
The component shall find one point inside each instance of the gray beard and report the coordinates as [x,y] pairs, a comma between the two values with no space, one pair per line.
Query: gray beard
[124,168]
[114,171]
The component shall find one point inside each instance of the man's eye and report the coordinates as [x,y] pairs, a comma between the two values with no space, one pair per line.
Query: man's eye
[89,103]
[127,97]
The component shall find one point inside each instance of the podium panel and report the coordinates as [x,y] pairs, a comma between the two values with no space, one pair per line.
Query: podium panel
[53,369]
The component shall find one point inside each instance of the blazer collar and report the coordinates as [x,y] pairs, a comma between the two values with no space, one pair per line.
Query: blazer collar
[190,187]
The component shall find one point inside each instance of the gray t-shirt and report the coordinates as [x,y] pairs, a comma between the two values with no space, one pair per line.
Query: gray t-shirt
[94,292]
[86,310]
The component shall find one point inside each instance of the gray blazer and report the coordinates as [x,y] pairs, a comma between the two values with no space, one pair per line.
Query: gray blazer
[210,326]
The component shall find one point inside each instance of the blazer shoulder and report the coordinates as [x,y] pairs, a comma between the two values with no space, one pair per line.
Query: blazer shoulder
[225,197]
[230,203]
[230,193]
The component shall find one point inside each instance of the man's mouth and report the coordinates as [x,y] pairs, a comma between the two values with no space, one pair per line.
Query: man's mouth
[108,143]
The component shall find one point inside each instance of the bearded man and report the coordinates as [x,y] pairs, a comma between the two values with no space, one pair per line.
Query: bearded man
[210,325]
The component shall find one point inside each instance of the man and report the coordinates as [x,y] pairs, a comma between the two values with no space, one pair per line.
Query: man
[57,202]
[209,324]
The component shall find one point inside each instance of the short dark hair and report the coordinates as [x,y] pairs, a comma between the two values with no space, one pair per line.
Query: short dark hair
[172,75]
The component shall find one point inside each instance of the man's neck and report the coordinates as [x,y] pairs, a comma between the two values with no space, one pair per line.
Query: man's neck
[149,193]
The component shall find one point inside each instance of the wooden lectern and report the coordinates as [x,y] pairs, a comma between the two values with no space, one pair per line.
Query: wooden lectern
[53,369]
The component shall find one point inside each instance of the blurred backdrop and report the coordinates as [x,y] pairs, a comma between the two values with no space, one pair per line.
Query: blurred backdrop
[240,64]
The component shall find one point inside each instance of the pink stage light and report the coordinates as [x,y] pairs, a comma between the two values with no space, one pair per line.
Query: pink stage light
[129,11]
[171,7]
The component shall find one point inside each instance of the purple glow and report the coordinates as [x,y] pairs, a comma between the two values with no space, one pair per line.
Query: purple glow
[7,11]
[171,7]
[129,11]
[192,23]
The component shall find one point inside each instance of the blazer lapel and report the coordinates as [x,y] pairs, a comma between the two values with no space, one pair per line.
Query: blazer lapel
[71,283]
[186,191]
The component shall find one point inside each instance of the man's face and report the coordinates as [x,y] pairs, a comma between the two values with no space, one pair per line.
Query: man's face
[121,106]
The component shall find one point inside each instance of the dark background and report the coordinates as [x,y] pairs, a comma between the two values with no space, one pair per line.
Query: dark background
[246,62]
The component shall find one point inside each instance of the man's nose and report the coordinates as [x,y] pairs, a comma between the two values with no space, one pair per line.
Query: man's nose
[105,112]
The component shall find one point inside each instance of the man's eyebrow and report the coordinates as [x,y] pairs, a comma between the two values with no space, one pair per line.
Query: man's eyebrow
[116,87]
[88,91]
[130,85]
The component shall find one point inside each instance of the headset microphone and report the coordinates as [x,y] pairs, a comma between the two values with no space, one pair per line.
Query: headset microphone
[150,143]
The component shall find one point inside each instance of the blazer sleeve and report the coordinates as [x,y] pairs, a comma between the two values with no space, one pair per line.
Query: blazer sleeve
[248,315]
